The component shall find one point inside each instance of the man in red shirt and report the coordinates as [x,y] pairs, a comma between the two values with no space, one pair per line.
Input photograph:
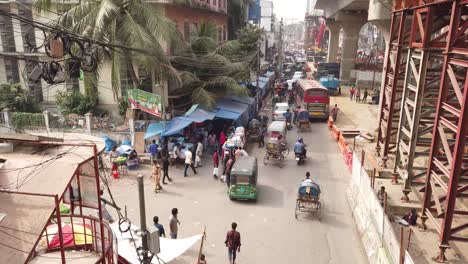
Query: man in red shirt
[233,243]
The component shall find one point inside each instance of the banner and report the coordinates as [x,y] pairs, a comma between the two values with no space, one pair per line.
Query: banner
[148,102]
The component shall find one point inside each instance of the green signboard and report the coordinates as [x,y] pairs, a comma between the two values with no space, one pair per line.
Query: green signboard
[148,102]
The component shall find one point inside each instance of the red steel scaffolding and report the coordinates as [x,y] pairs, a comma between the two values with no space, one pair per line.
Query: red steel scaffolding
[424,111]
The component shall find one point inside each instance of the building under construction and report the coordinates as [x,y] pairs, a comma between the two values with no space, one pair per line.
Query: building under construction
[423,124]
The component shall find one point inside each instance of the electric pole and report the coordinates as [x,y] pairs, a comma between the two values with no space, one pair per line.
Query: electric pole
[144,254]
[280,49]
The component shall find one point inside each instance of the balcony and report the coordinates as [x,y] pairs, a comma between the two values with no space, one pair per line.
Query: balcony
[218,6]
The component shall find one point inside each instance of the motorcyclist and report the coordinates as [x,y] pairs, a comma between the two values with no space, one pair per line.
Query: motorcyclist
[299,147]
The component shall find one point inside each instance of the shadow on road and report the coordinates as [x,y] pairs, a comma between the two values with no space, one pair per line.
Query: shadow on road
[270,196]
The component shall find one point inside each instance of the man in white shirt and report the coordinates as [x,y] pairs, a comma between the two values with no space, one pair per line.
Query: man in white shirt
[189,162]
[199,154]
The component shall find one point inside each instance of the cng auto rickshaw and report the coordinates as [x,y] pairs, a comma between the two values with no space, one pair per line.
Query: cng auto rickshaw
[243,181]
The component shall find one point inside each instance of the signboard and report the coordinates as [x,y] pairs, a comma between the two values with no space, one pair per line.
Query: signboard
[148,102]
[254,11]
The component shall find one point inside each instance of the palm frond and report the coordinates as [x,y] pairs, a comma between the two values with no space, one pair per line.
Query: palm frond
[224,85]
[203,97]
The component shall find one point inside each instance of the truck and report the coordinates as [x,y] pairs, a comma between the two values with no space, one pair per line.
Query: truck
[329,76]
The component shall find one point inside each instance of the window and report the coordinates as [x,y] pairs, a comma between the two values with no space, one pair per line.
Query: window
[220,34]
[186,31]
[214,2]
[11,70]
[126,81]
[224,33]
[73,84]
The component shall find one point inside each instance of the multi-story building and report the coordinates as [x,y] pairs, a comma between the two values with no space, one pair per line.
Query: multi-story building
[267,22]
[15,35]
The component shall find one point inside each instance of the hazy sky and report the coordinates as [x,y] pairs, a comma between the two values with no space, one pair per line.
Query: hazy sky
[289,9]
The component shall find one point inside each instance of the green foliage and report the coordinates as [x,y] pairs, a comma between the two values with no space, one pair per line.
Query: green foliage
[17,99]
[249,37]
[130,23]
[20,119]
[123,105]
[90,81]
[73,102]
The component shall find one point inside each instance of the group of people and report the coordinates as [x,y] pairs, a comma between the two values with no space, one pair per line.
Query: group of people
[229,157]
[355,93]
[232,240]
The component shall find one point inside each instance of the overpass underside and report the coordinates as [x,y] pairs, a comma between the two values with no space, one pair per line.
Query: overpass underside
[424,112]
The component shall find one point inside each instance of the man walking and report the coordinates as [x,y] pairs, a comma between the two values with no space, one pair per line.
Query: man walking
[351,93]
[334,112]
[233,243]
[189,162]
[156,174]
[229,166]
[153,150]
[158,226]
[174,223]
[261,136]
[364,97]
[165,167]
[358,95]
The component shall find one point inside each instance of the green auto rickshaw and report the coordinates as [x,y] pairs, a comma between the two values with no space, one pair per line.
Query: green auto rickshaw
[244,179]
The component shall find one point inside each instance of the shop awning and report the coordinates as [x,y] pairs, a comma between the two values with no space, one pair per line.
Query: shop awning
[154,129]
[222,113]
[264,79]
[245,99]
[176,125]
[231,105]
[198,114]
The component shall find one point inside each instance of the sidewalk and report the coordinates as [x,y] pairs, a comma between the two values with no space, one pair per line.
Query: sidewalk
[364,117]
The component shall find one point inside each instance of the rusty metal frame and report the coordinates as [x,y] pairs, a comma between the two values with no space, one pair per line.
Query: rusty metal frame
[393,83]
[420,90]
[447,176]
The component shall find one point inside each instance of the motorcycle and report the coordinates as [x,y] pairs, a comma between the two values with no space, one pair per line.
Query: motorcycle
[300,158]
[288,124]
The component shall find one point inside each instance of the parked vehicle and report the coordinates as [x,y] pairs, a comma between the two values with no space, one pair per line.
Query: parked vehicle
[243,181]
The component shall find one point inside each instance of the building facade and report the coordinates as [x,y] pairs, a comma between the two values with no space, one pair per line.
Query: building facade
[15,35]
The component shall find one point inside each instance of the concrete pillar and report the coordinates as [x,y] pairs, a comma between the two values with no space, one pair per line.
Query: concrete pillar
[89,122]
[131,125]
[351,22]
[46,120]
[379,15]
[333,41]
[349,50]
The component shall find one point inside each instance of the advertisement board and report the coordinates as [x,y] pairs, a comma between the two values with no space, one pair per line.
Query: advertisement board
[254,11]
[148,102]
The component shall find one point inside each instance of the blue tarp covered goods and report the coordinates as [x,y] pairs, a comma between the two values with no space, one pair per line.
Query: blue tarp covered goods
[176,125]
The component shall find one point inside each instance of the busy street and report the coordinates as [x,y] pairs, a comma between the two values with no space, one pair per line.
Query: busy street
[269,231]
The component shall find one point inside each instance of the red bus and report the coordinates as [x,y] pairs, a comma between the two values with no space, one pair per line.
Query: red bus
[311,95]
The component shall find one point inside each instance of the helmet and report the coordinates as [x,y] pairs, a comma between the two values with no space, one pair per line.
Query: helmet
[299,140]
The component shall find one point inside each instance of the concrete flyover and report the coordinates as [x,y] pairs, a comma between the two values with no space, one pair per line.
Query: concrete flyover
[351,15]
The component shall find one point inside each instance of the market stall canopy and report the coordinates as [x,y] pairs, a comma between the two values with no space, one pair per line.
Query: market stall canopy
[270,74]
[264,79]
[154,129]
[176,125]
[198,114]
[229,109]
[245,99]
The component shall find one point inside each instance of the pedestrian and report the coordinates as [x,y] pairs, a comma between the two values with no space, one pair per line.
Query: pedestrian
[222,139]
[156,175]
[176,154]
[165,167]
[212,142]
[233,243]
[364,97]
[358,95]
[174,223]
[189,162]
[158,226]
[381,195]
[334,112]
[198,154]
[261,136]
[113,154]
[351,93]
[153,150]
[215,165]
[229,165]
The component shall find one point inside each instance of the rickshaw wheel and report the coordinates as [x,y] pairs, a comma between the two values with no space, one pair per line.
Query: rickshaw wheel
[265,159]
[281,160]
[285,152]
[296,209]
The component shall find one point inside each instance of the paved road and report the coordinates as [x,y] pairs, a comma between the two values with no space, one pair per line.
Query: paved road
[270,233]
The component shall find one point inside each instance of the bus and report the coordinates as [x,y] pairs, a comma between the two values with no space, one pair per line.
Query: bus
[313,97]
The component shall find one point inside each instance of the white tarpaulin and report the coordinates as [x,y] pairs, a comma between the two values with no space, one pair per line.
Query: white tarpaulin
[170,248]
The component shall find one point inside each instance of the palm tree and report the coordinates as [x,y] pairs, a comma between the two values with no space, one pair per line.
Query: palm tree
[131,23]
[205,72]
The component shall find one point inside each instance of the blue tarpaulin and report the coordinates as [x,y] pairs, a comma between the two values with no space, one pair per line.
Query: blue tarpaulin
[226,114]
[154,129]
[264,79]
[230,105]
[176,125]
[269,74]
[198,115]
[244,100]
